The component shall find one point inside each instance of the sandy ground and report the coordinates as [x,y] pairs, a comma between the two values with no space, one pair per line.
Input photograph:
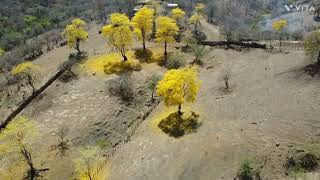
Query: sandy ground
[269,104]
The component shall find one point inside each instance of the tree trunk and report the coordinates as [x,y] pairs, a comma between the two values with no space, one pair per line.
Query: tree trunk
[78,46]
[165,51]
[179,109]
[227,84]
[144,45]
[152,95]
[143,40]
[125,58]
[30,82]
[319,58]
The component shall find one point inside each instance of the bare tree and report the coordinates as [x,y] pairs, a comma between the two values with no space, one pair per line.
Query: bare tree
[63,144]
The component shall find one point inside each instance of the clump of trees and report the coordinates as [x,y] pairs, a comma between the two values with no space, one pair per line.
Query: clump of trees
[76,33]
[179,86]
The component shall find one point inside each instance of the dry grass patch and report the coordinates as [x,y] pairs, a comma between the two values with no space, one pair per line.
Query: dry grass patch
[111,64]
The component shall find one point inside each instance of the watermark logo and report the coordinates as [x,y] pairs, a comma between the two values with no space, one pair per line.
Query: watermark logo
[299,7]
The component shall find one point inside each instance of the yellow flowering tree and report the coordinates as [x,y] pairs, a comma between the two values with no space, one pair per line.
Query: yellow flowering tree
[166,30]
[200,8]
[312,44]
[142,23]
[177,14]
[76,33]
[179,86]
[90,165]
[279,27]
[118,33]
[155,5]
[28,71]
[16,141]
[195,20]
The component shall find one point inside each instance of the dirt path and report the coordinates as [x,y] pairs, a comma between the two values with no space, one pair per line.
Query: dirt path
[264,109]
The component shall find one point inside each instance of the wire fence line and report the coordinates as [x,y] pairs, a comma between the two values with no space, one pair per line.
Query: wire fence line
[99,52]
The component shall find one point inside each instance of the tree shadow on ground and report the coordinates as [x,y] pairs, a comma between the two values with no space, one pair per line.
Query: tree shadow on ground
[177,125]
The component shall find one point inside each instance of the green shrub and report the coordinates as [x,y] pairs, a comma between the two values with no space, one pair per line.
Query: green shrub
[246,170]
[175,61]
[143,55]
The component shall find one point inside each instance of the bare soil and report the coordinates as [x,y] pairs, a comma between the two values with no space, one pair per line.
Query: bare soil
[273,105]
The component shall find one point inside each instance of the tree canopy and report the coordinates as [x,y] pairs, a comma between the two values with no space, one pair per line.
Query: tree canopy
[279,25]
[179,86]
[142,23]
[76,33]
[119,33]
[177,14]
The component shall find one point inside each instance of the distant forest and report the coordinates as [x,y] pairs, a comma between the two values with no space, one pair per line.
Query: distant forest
[23,19]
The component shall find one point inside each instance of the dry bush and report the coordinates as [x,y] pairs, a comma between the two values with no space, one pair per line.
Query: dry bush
[122,87]
[175,61]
